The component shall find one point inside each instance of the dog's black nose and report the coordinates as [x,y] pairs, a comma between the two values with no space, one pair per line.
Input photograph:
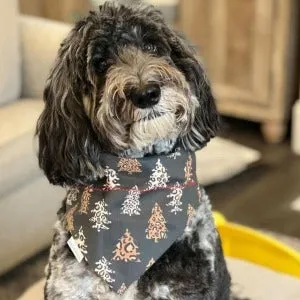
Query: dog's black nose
[146,97]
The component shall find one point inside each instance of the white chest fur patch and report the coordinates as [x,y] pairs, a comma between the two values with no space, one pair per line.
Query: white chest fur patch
[161,292]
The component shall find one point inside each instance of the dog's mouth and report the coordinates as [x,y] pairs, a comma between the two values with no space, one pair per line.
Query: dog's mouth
[146,115]
[150,128]
[152,116]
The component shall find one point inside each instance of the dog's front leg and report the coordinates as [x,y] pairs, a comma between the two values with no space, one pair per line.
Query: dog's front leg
[202,235]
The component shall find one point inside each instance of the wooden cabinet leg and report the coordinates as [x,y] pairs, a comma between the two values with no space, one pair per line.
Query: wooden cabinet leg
[274,131]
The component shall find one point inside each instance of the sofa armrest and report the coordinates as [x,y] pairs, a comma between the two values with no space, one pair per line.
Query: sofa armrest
[40,40]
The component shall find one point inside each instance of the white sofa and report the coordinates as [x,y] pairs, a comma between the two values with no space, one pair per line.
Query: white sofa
[28,203]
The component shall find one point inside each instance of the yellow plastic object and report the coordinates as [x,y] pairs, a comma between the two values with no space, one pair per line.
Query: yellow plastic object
[247,244]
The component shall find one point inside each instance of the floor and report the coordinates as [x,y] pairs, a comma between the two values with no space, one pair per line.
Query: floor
[260,197]
[14,283]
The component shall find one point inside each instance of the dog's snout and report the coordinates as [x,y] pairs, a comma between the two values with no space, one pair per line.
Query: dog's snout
[145,97]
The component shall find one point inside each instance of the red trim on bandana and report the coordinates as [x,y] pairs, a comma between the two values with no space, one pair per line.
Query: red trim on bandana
[191,183]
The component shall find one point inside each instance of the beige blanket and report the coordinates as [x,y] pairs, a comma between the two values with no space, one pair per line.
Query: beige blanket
[222,159]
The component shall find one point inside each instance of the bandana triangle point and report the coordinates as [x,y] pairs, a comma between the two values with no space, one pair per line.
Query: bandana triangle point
[124,223]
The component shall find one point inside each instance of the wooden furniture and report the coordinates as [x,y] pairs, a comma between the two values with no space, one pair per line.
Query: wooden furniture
[296,126]
[72,10]
[61,10]
[249,48]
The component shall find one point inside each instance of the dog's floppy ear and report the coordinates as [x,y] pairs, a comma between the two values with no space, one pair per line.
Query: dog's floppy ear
[206,122]
[68,147]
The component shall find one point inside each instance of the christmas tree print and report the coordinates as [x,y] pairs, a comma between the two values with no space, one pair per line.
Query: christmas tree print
[72,195]
[188,170]
[122,289]
[150,263]
[132,202]
[85,200]
[111,179]
[126,249]
[176,196]
[175,154]
[129,165]
[191,212]
[99,219]
[157,228]
[159,176]
[70,218]
[81,240]
[104,271]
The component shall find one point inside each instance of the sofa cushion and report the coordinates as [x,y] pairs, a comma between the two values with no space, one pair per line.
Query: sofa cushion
[18,158]
[27,216]
[40,40]
[9,52]
[18,118]
[18,164]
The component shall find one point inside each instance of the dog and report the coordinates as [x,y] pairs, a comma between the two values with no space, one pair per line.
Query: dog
[125,84]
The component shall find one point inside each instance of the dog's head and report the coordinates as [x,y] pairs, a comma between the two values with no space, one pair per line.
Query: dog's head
[123,81]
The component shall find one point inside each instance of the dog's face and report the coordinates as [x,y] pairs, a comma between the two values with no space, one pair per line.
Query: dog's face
[123,82]
[145,98]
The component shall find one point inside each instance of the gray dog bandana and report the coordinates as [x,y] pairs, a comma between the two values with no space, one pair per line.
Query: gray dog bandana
[125,223]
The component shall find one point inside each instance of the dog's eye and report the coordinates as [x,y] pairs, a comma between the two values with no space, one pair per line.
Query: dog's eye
[150,48]
[100,64]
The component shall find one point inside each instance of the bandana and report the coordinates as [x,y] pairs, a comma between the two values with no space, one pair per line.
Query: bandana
[125,223]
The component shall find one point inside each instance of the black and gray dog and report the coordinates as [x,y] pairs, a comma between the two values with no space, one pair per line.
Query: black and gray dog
[125,83]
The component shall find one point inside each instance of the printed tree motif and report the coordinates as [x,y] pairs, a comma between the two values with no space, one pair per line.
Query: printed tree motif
[100,220]
[176,196]
[132,202]
[70,218]
[159,176]
[104,271]
[111,179]
[122,289]
[150,263]
[188,170]
[176,154]
[85,200]
[157,228]
[126,249]
[72,195]
[191,212]
[80,240]
[129,165]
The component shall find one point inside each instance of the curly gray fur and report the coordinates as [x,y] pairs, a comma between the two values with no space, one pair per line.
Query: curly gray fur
[89,109]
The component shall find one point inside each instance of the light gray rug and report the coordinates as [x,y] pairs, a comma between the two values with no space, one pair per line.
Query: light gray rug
[257,283]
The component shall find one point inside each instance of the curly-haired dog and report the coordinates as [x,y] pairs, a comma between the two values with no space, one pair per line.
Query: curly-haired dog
[126,86]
